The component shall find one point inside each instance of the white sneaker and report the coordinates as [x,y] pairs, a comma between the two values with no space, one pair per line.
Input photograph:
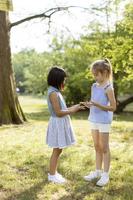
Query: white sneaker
[56,178]
[60,176]
[103,180]
[93,175]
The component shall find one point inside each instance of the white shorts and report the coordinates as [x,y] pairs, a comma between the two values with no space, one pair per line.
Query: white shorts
[102,128]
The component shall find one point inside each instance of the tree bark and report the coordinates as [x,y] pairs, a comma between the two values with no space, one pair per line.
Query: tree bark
[10,110]
[122,104]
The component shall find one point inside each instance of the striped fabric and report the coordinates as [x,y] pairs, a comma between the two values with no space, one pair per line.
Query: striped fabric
[60,132]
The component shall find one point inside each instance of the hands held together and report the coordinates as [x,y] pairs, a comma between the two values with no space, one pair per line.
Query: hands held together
[88,104]
[82,106]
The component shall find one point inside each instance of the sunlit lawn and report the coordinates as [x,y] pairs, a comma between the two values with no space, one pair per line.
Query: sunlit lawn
[25,156]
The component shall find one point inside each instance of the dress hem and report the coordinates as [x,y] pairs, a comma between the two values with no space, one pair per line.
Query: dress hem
[61,147]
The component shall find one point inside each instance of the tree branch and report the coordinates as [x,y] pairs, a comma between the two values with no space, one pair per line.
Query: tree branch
[123,104]
[28,19]
[46,14]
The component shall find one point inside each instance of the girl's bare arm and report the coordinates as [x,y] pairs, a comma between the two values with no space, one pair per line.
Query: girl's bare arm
[111,97]
[56,106]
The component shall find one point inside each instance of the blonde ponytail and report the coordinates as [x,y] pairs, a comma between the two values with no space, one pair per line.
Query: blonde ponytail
[110,69]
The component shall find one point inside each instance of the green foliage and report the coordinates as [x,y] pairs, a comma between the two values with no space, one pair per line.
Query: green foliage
[125,27]
[77,88]
[76,56]
[21,61]
[36,73]
[31,70]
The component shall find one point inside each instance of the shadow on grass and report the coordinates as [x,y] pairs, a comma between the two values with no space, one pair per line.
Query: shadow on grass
[34,168]
[83,190]
[76,188]
[28,194]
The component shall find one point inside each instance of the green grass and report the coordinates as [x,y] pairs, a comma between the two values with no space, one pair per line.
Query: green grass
[24,159]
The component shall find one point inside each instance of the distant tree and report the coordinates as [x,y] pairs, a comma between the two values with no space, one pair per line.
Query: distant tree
[76,57]
[10,109]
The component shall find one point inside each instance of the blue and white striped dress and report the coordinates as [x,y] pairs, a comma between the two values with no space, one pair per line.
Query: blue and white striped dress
[60,133]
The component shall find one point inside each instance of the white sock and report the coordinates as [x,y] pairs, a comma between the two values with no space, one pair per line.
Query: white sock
[51,175]
[106,173]
[98,170]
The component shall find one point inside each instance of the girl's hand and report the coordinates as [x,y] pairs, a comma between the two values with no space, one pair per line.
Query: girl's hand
[87,104]
[94,103]
[111,97]
[82,107]
[82,103]
[76,108]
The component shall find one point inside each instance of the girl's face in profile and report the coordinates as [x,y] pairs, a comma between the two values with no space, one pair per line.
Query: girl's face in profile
[98,76]
[63,84]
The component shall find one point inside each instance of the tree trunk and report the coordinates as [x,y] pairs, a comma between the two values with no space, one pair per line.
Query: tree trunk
[10,110]
[122,104]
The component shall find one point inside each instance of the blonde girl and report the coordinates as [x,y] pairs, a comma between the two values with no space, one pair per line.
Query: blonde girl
[102,105]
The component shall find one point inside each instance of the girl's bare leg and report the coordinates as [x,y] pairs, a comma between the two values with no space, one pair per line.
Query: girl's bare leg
[54,160]
[104,140]
[98,150]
